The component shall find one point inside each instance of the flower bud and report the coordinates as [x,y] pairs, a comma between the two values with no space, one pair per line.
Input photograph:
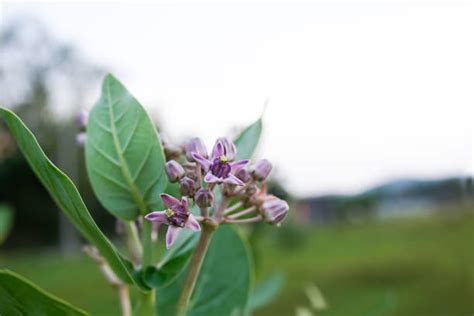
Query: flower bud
[229,148]
[171,151]
[174,170]
[243,175]
[251,189]
[119,227]
[195,145]
[261,169]
[204,197]
[81,139]
[81,119]
[187,186]
[274,211]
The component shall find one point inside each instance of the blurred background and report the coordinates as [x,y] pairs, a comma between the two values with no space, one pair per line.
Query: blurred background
[368,122]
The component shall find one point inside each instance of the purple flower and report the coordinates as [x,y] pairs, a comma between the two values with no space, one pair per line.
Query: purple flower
[274,210]
[243,175]
[204,197]
[177,216]
[195,145]
[174,170]
[229,148]
[81,119]
[187,186]
[81,139]
[261,169]
[221,168]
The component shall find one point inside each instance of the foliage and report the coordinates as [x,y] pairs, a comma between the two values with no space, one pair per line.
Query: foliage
[126,166]
[6,221]
[19,296]
[410,267]
[125,161]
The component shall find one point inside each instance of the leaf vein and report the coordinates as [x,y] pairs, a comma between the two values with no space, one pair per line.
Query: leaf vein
[104,154]
[129,139]
[142,164]
[111,180]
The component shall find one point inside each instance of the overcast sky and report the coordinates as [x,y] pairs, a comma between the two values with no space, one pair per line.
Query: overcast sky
[359,92]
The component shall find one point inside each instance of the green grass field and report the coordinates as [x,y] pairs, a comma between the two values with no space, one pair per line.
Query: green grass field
[412,267]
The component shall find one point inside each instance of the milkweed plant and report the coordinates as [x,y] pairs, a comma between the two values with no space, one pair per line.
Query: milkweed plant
[199,196]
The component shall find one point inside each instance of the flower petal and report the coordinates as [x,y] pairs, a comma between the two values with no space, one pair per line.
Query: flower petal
[237,165]
[192,223]
[185,203]
[205,164]
[171,235]
[168,200]
[231,179]
[229,148]
[218,150]
[210,178]
[159,217]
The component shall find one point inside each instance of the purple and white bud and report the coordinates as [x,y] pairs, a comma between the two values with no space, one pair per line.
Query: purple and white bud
[204,197]
[251,189]
[261,169]
[274,211]
[81,139]
[82,118]
[174,170]
[195,145]
[187,186]
[119,227]
[229,149]
[171,150]
[244,175]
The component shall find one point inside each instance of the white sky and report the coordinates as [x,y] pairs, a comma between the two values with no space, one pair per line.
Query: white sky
[359,92]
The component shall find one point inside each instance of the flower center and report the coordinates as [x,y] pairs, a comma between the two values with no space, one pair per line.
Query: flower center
[220,167]
[169,213]
[223,159]
[177,215]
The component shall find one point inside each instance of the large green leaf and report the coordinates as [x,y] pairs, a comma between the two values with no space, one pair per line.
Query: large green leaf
[65,194]
[124,157]
[224,283]
[6,221]
[173,262]
[266,291]
[248,140]
[19,296]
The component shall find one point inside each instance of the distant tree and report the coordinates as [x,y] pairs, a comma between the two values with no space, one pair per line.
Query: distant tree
[45,81]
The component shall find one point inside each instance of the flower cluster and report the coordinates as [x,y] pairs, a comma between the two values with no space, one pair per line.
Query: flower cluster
[200,174]
[81,122]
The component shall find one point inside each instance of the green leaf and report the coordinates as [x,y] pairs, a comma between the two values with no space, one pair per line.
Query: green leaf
[19,296]
[248,140]
[65,194]
[6,221]
[124,157]
[224,283]
[266,291]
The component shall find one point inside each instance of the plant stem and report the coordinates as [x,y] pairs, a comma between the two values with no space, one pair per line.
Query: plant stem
[124,300]
[147,244]
[244,221]
[233,208]
[242,213]
[146,306]
[147,299]
[219,212]
[194,268]
[132,240]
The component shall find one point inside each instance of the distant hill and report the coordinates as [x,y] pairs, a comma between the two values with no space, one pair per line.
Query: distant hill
[401,197]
